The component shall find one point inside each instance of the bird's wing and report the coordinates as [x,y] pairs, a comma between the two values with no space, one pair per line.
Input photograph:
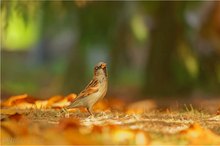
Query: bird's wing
[91,88]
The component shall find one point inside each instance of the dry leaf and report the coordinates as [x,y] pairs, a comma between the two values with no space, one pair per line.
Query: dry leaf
[101,106]
[41,104]
[141,107]
[11,100]
[53,100]
[64,101]
[199,135]
[67,123]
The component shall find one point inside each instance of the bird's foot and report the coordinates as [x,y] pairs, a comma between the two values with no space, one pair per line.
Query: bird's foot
[65,111]
[90,111]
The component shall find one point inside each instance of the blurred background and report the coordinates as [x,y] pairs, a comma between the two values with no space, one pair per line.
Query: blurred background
[153,49]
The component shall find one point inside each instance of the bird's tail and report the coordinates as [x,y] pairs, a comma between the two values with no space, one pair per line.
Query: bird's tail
[74,104]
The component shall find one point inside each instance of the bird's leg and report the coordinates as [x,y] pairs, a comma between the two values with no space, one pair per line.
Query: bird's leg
[64,109]
[89,110]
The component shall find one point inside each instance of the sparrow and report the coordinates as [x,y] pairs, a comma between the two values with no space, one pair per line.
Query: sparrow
[94,91]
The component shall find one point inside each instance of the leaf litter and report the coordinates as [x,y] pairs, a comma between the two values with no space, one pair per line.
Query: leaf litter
[22,122]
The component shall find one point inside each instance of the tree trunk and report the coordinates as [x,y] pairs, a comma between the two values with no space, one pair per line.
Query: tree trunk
[209,50]
[165,36]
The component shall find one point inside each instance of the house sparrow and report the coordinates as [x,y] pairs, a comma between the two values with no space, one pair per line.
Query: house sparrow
[94,91]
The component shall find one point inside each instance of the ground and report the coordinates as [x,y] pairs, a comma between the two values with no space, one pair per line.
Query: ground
[108,125]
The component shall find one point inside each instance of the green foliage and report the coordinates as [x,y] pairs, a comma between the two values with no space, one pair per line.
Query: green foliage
[171,64]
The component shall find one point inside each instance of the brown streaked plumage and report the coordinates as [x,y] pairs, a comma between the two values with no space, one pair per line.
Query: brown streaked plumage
[94,91]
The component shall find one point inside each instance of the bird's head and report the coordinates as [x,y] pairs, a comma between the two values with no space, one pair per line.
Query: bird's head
[100,69]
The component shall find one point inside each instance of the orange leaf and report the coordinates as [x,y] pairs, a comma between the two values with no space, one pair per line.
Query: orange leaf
[141,106]
[198,135]
[13,99]
[53,99]
[41,104]
[65,101]
[102,105]
[67,123]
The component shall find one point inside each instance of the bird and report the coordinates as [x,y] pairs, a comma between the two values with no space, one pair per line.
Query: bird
[94,91]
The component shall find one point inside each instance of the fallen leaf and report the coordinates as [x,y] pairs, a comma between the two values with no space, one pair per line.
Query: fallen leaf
[64,101]
[8,111]
[67,123]
[12,99]
[41,104]
[53,100]
[141,107]
[218,111]
[16,117]
[100,106]
[199,135]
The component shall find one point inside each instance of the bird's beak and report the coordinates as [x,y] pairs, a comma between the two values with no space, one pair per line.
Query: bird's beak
[103,66]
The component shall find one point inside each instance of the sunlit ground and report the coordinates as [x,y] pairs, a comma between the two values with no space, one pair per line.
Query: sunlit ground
[26,120]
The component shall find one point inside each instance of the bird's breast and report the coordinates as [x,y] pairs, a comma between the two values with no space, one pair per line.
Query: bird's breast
[102,88]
